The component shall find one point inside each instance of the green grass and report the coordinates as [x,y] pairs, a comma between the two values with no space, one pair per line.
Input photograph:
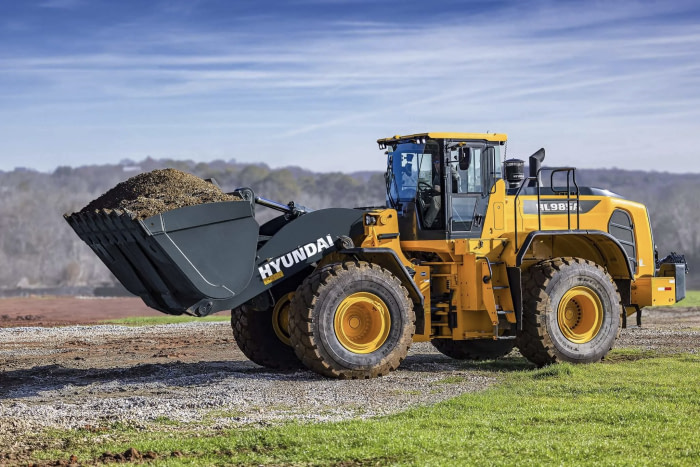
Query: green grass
[165,319]
[692,298]
[638,408]
[450,380]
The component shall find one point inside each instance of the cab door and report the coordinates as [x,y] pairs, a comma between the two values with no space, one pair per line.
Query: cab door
[471,182]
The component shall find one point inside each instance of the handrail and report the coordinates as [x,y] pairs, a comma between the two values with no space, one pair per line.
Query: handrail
[569,171]
[570,178]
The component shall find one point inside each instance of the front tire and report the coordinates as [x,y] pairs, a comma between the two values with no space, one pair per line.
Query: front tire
[571,312]
[352,320]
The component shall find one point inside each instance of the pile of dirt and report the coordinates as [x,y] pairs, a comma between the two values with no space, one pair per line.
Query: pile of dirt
[158,191]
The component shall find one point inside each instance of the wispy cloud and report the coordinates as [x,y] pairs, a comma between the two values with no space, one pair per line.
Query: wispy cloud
[534,69]
[62,4]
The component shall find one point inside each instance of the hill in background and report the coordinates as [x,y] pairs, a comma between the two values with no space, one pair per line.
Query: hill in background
[39,250]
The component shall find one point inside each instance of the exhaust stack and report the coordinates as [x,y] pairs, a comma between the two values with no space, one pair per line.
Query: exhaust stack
[536,162]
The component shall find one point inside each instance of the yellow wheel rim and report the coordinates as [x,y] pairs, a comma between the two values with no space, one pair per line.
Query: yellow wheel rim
[362,322]
[280,318]
[580,315]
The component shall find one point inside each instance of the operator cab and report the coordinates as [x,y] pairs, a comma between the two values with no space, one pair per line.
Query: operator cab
[439,183]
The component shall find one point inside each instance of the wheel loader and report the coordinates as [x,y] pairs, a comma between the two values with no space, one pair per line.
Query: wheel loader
[468,253]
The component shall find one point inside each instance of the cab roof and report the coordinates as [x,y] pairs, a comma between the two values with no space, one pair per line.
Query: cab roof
[495,137]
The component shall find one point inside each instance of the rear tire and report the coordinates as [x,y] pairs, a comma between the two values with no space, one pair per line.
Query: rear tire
[571,312]
[481,349]
[352,320]
[256,336]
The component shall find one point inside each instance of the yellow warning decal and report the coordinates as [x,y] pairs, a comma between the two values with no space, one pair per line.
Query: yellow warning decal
[273,278]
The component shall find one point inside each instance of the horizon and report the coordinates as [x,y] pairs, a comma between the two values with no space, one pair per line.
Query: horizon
[597,84]
[135,165]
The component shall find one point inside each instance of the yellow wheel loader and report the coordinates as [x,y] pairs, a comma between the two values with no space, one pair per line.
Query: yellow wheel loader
[468,253]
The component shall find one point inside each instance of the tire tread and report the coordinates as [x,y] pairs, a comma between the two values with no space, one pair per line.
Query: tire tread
[534,341]
[301,321]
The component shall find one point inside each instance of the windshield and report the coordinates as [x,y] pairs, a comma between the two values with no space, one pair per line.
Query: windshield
[406,164]
[410,169]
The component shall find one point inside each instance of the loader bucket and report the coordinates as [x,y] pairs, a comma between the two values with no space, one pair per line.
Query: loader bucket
[194,259]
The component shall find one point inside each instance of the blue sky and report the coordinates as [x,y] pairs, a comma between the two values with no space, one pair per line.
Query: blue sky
[315,83]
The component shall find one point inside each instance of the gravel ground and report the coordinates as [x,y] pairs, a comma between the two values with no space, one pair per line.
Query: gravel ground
[193,374]
[80,376]
[665,330]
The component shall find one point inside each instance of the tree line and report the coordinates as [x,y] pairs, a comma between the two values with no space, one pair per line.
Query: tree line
[39,249]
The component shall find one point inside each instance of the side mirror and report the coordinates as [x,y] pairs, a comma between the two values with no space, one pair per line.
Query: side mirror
[465,158]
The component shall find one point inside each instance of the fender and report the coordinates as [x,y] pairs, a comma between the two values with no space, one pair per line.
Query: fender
[596,238]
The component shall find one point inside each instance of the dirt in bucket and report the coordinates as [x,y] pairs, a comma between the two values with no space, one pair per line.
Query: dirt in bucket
[158,191]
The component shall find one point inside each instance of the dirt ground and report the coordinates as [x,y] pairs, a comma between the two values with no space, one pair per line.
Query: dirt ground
[672,329]
[63,311]
[54,374]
